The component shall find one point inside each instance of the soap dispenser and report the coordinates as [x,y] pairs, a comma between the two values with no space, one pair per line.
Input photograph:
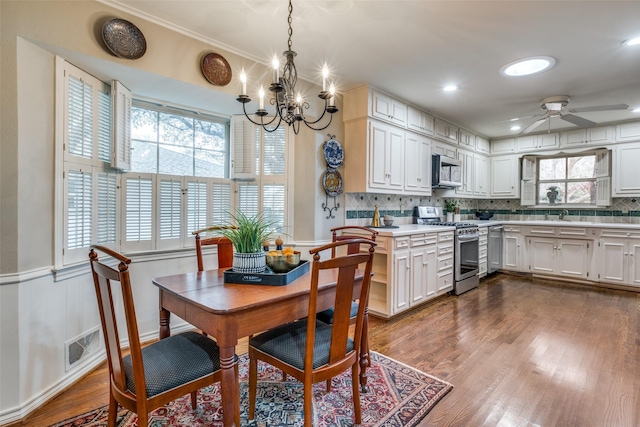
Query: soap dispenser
[375,222]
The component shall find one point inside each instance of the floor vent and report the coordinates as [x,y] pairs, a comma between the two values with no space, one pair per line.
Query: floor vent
[80,347]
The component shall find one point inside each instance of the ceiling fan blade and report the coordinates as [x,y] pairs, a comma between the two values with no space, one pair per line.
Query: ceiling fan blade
[599,108]
[515,119]
[578,121]
[534,125]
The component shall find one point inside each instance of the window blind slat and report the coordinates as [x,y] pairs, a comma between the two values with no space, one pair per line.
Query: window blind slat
[139,209]
[79,209]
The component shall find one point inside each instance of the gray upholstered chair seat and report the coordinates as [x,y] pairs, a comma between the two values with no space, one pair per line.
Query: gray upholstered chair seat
[326,316]
[287,343]
[174,361]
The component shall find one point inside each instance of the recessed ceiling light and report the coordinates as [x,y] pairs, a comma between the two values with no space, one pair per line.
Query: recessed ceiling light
[632,42]
[527,66]
[516,127]
[450,88]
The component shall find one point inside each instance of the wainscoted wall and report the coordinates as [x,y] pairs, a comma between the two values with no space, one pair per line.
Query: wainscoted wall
[359,208]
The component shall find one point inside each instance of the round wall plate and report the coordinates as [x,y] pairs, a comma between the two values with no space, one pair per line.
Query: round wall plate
[216,69]
[123,39]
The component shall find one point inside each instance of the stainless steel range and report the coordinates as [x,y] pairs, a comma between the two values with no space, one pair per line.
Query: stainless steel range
[465,254]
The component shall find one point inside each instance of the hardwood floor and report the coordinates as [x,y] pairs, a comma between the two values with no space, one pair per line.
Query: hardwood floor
[519,352]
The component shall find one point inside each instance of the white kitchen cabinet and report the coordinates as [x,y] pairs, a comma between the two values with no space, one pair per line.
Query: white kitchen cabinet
[443,149]
[620,259]
[503,146]
[513,249]
[480,175]
[466,139]
[420,121]
[445,262]
[482,145]
[559,257]
[599,135]
[544,141]
[628,132]
[482,251]
[389,109]
[414,270]
[445,131]
[626,173]
[466,189]
[504,177]
[417,179]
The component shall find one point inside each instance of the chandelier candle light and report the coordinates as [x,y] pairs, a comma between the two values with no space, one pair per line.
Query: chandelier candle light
[289,104]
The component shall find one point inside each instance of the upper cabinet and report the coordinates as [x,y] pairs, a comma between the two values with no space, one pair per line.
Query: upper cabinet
[503,146]
[386,108]
[628,132]
[466,139]
[504,177]
[543,141]
[482,145]
[420,121]
[587,137]
[446,131]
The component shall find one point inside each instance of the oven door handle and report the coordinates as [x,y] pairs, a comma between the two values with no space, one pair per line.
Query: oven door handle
[468,238]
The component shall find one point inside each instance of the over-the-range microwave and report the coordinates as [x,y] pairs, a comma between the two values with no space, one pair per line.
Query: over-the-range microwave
[446,172]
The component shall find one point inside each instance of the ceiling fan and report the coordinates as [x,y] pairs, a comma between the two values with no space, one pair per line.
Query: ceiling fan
[554,106]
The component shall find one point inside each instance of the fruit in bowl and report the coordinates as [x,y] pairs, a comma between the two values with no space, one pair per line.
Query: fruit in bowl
[283,261]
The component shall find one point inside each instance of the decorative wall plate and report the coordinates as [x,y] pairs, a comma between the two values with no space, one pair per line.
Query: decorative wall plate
[332,182]
[123,39]
[216,69]
[333,153]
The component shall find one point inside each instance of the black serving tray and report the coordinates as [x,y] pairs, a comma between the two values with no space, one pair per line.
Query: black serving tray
[269,277]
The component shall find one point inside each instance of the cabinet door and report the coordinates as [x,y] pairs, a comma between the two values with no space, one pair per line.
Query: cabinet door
[430,279]
[634,263]
[504,177]
[417,176]
[424,174]
[401,280]
[503,146]
[419,275]
[482,145]
[466,189]
[396,159]
[480,173]
[378,148]
[628,132]
[526,143]
[613,261]
[626,173]
[542,254]
[574,138]
[572,258]
[443,149]
[546,141]
[510,252]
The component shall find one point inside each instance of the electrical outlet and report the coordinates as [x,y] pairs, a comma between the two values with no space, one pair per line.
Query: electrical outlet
[625,210]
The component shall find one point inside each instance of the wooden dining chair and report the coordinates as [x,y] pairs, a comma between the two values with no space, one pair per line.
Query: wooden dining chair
[150,377]
[225,247]
[310,350]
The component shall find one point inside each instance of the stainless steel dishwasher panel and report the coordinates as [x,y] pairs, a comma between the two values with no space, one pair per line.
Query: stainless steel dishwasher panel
[494,249]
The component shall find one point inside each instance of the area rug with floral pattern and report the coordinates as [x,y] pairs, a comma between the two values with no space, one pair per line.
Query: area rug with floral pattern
[397,395]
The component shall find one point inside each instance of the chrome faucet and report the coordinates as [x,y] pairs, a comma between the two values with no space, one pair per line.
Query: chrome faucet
[563,214]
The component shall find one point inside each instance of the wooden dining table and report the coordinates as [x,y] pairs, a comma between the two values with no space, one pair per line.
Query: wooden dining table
[230,311]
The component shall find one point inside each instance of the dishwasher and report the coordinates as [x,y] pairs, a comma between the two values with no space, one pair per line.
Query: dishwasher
[494,249]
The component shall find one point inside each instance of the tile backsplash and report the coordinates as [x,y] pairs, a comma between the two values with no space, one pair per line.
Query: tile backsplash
[359,209]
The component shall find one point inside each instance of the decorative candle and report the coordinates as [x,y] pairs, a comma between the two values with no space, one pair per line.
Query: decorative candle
[243,79]
[325,74]
[261,96]
[299,103]
[332,91]
[275,63]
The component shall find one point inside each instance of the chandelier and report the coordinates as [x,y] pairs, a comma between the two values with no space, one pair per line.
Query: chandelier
[289,105]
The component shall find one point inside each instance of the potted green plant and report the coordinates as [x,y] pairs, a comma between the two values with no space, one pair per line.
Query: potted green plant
[247,234]
[451,206]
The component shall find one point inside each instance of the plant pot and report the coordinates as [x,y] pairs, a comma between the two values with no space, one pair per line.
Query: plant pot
[249,263]
[552,196]
[449,216]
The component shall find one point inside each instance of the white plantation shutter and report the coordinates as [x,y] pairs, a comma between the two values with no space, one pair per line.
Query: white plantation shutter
[121,101]
[104,126]
[243,143]
[196,205]
[170,210]
[248,200]
[528,184]
[107,209]
[603,178]
[220,203]
[139,212]
[273,204]
[78,206]
[274,151]
[79,116]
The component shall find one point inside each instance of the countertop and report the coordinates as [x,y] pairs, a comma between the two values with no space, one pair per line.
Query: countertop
[408,229]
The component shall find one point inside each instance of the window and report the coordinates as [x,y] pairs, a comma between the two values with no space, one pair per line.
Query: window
[176,177]
[581,179]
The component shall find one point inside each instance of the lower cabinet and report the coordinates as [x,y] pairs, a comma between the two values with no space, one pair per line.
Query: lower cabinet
[513,249]
[482,251]
[414,270]
[620,261]
[559,257]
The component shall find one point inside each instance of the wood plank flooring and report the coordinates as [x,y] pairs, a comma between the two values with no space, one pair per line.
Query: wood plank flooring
[519,352]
